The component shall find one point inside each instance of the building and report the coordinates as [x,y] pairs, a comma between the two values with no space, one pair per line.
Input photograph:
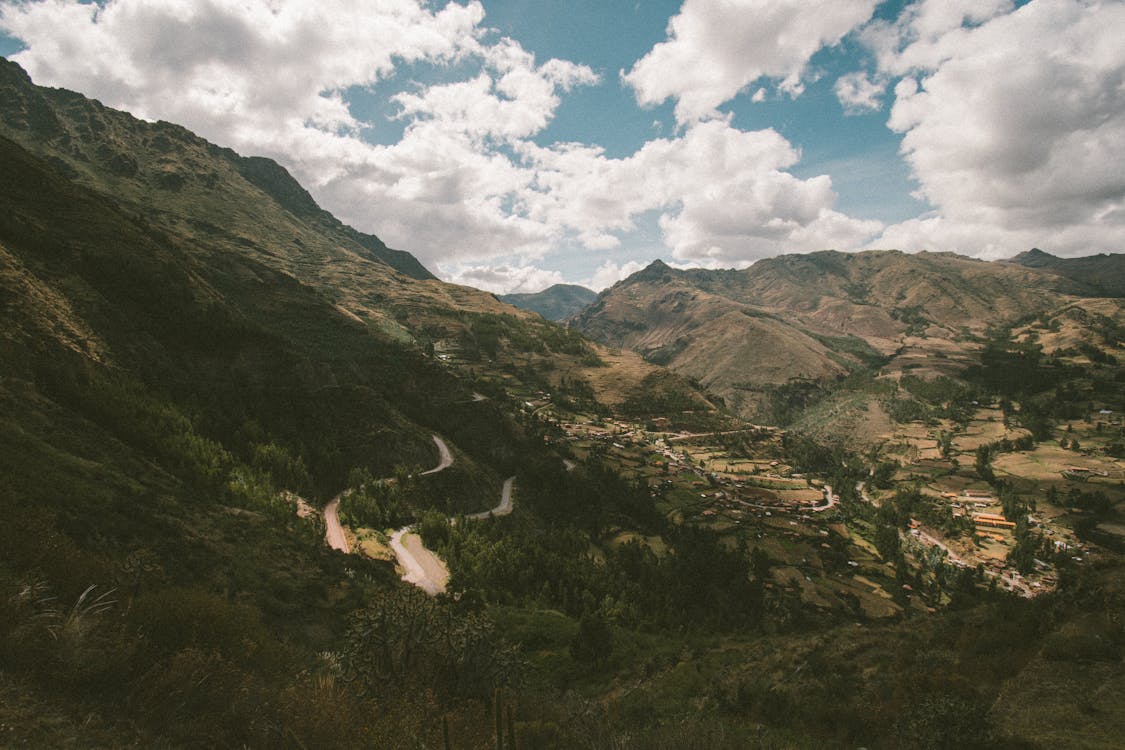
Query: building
[994,520]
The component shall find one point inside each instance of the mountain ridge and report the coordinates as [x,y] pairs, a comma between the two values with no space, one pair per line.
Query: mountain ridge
[557,302]
[1102,274]
[164,163]
[178,183]
[816,316]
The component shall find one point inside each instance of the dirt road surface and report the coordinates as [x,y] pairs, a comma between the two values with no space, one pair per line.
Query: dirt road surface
[505,506]
[333,531]
[420,566]
[446,458]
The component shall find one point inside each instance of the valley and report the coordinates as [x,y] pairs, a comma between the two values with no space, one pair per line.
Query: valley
[724,480]
[832,500]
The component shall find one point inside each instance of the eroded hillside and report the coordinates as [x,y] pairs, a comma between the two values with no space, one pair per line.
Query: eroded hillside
[816,318]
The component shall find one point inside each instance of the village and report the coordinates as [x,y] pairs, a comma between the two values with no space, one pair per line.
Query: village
[737,483]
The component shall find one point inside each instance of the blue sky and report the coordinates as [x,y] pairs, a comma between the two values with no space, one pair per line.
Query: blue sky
[510,144]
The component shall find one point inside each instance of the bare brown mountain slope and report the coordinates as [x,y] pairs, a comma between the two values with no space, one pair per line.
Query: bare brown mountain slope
[815,316]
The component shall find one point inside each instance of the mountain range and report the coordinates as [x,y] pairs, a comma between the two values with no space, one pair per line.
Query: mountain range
[1101,275]
[814,318]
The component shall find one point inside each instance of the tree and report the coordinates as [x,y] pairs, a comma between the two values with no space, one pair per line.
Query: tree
[887,540]
[1027,544]
[984,464]
[594,640]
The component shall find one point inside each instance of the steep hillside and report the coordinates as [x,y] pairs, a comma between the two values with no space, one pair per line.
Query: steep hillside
[230,206]
[188,345]
[556,302]
[815,317]
[156,395]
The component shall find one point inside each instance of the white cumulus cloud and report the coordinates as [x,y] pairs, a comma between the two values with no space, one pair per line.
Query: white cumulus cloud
[270,78]
[1013,128]
[858,93]
[723,195]
[463,183]
[503,278]
[716,48]
[609,273]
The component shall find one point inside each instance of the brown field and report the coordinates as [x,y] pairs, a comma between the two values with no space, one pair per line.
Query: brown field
[372,544]
[807,496]
[655,543]
[986,427]
[1048,460]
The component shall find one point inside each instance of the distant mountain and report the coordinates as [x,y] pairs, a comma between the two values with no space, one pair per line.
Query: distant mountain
[815,317]
[556,302]
[1097,275]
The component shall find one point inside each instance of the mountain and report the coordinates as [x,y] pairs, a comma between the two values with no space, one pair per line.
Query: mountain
[556,302]
[815,317]
[276,182]
[1094,275]
[251,208]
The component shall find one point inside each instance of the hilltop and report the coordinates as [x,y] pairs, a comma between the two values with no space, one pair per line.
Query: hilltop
[1100,275]
[556,302]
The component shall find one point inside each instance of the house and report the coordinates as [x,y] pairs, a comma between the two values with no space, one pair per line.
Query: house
[994,520]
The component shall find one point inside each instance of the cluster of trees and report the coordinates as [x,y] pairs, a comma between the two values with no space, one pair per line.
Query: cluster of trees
[698,584]
[660,394]
[379,503]
[405,639]
[542,556]
[486,333]
[1046,387]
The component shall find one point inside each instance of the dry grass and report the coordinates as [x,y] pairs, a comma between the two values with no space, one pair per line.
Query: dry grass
[1047,462]
[1064,704]
[373,544]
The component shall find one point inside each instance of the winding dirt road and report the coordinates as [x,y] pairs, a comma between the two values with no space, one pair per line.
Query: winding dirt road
[830,500]
[423,568]
[420,566]
[334,532]
[505,506]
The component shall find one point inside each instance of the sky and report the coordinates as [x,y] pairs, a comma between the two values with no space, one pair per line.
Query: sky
[513,144]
